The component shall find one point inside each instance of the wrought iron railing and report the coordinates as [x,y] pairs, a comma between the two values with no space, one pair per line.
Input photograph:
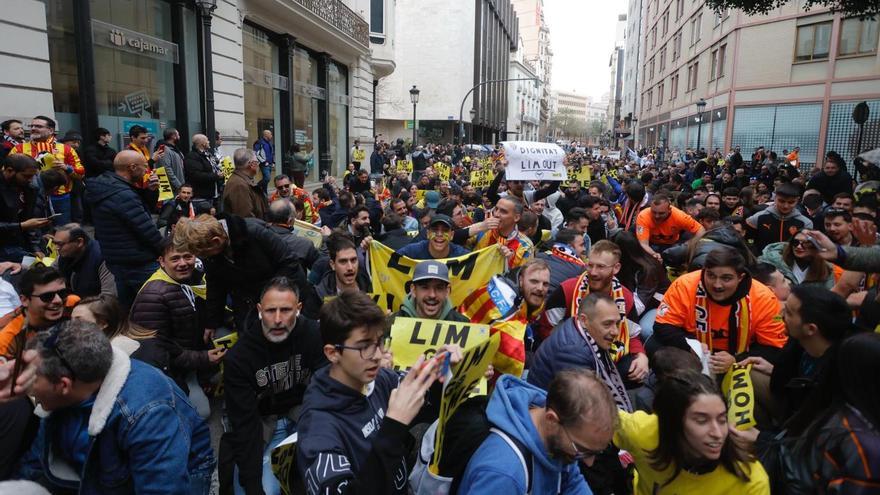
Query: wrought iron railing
[338,15]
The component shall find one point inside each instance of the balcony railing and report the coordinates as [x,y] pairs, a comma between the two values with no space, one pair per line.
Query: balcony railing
[338,15]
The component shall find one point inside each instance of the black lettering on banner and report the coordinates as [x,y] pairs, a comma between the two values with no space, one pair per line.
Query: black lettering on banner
[738,378]
[464,267]
[742,418]
[394,263]
[414,337]
[454,336]
[741,399]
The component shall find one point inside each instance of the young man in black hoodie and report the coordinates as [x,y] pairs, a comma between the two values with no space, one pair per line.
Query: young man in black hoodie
[353,430]
[265,378]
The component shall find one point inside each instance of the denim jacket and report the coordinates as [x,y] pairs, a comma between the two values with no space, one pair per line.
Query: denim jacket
[144,437]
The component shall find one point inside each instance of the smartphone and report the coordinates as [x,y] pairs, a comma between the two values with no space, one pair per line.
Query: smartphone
[53,216]
[815,244]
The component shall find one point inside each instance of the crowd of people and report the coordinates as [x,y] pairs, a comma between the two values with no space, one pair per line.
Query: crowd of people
[170,346]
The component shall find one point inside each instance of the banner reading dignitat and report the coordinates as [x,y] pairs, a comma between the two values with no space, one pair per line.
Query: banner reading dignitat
[531,160]
[390,273]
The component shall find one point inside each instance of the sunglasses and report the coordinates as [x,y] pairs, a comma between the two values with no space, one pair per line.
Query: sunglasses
[801,243]
[51,344]
[48,297]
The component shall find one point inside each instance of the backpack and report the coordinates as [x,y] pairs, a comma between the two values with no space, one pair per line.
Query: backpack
[466,431]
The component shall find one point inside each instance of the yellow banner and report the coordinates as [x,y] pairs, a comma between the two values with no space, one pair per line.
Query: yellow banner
[165,191]
[466,376]
[413,337]
[391,272]
[405,166]
[737,387]
[482,178]
[227,341]
[444,171]
[308,231]
[283,462]
[582,174]
[420,194]
[358,155]
[226,167]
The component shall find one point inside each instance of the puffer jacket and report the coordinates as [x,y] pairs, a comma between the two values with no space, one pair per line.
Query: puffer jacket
[123,227]
[176,315]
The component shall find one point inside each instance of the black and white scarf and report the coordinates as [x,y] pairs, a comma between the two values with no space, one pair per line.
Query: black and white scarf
[606,369]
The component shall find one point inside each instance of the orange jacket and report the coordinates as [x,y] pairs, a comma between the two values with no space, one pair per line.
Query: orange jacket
[765,324]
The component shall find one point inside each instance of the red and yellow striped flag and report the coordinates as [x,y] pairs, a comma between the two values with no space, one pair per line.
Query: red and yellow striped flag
[493,305]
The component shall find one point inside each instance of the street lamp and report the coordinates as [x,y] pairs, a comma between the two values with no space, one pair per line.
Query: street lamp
[535,80]
[701,105]
[473,114]
[414,98]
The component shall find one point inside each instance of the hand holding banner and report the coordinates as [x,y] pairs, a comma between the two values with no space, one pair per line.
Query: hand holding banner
[413,337]
[165,191]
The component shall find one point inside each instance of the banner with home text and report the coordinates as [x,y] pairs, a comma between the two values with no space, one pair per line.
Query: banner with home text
[391,272]
[531,160]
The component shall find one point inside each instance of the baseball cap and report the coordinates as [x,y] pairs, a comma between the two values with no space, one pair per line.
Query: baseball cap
[441,218]
[431,269]
[432,199]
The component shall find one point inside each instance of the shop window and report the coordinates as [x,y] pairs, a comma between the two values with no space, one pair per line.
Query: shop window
[306,95]
[337,105]
[63,63]
[779,127]
[843,133]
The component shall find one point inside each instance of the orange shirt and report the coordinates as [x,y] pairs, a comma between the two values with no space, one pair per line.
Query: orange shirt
[765,321]
[668,232]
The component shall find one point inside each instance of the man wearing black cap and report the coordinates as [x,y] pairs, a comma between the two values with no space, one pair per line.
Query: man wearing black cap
[429,294]
[438,244]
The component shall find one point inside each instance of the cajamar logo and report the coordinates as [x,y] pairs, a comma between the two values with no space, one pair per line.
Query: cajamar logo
[117,37]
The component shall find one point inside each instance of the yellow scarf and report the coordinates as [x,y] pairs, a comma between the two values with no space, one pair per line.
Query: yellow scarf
[741,310]
[620,347]
[200,290]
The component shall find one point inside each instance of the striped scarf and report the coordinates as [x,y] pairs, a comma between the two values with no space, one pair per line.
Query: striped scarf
[606,369]
[565,253]
[620,347]
[738,326]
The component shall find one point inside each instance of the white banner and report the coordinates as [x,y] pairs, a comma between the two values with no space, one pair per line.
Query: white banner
[531,160]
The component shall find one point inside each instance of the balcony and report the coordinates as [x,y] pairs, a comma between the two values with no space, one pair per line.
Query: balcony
[338,15]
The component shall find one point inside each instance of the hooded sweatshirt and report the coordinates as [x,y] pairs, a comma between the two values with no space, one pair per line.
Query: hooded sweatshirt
[346,443]
[261,379]
[769,226]
[496,468]
[447,313]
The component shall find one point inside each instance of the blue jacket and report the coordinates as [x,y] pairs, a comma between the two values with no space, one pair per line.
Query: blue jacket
[495,466]
[143,437]
[419,250]
[123,227]
[265,152]
[564,349]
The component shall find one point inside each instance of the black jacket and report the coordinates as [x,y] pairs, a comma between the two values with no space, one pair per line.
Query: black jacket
[83,273]
[123,227]
[262,378]
[327,286]
[303,249]
[177,317]
[254,256]
[98,159]
[395,239]
[10,217]
[831,185]
[347,444]
[200,175]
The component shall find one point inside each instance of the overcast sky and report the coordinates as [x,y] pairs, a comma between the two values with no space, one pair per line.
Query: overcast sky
[582,37]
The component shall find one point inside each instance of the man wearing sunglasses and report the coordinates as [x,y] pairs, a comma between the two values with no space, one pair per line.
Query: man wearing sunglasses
[112,424]
[438,245]
[43,294]
[538,438]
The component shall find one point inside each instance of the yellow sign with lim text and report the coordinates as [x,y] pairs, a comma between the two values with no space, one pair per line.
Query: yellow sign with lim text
[414,337]
[165,191]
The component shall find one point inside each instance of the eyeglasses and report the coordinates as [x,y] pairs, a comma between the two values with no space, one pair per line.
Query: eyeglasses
[367,351]
[579,452]
[51,344]
[48,297]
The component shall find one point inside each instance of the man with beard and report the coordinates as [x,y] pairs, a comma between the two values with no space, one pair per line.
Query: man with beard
[564,258]
[438,244]
[550,431]
[600,277]
[345,272]
[572,197]
[358,226]
[429,294]
[81,262]
[13,134]
[172,160]
[265,378]
[721,305]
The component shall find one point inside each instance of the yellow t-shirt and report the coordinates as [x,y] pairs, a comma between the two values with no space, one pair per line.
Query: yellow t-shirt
[638,434]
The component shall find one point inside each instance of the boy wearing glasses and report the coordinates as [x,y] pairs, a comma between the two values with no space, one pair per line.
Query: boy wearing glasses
[353,430]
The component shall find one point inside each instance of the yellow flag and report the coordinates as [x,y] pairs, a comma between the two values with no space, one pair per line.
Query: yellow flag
[391,272]
[309,231]
[737,387]
[165,191]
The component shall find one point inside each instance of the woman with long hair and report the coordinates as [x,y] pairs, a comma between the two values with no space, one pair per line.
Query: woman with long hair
[799,261]
[137,341]
[685,446]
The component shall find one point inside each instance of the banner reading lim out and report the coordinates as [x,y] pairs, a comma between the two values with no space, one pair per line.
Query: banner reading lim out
[119,38]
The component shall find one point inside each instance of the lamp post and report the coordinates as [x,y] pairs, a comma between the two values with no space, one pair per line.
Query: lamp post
[701,105]
[414,98]
[205,9]
[461,109]
[473,114]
